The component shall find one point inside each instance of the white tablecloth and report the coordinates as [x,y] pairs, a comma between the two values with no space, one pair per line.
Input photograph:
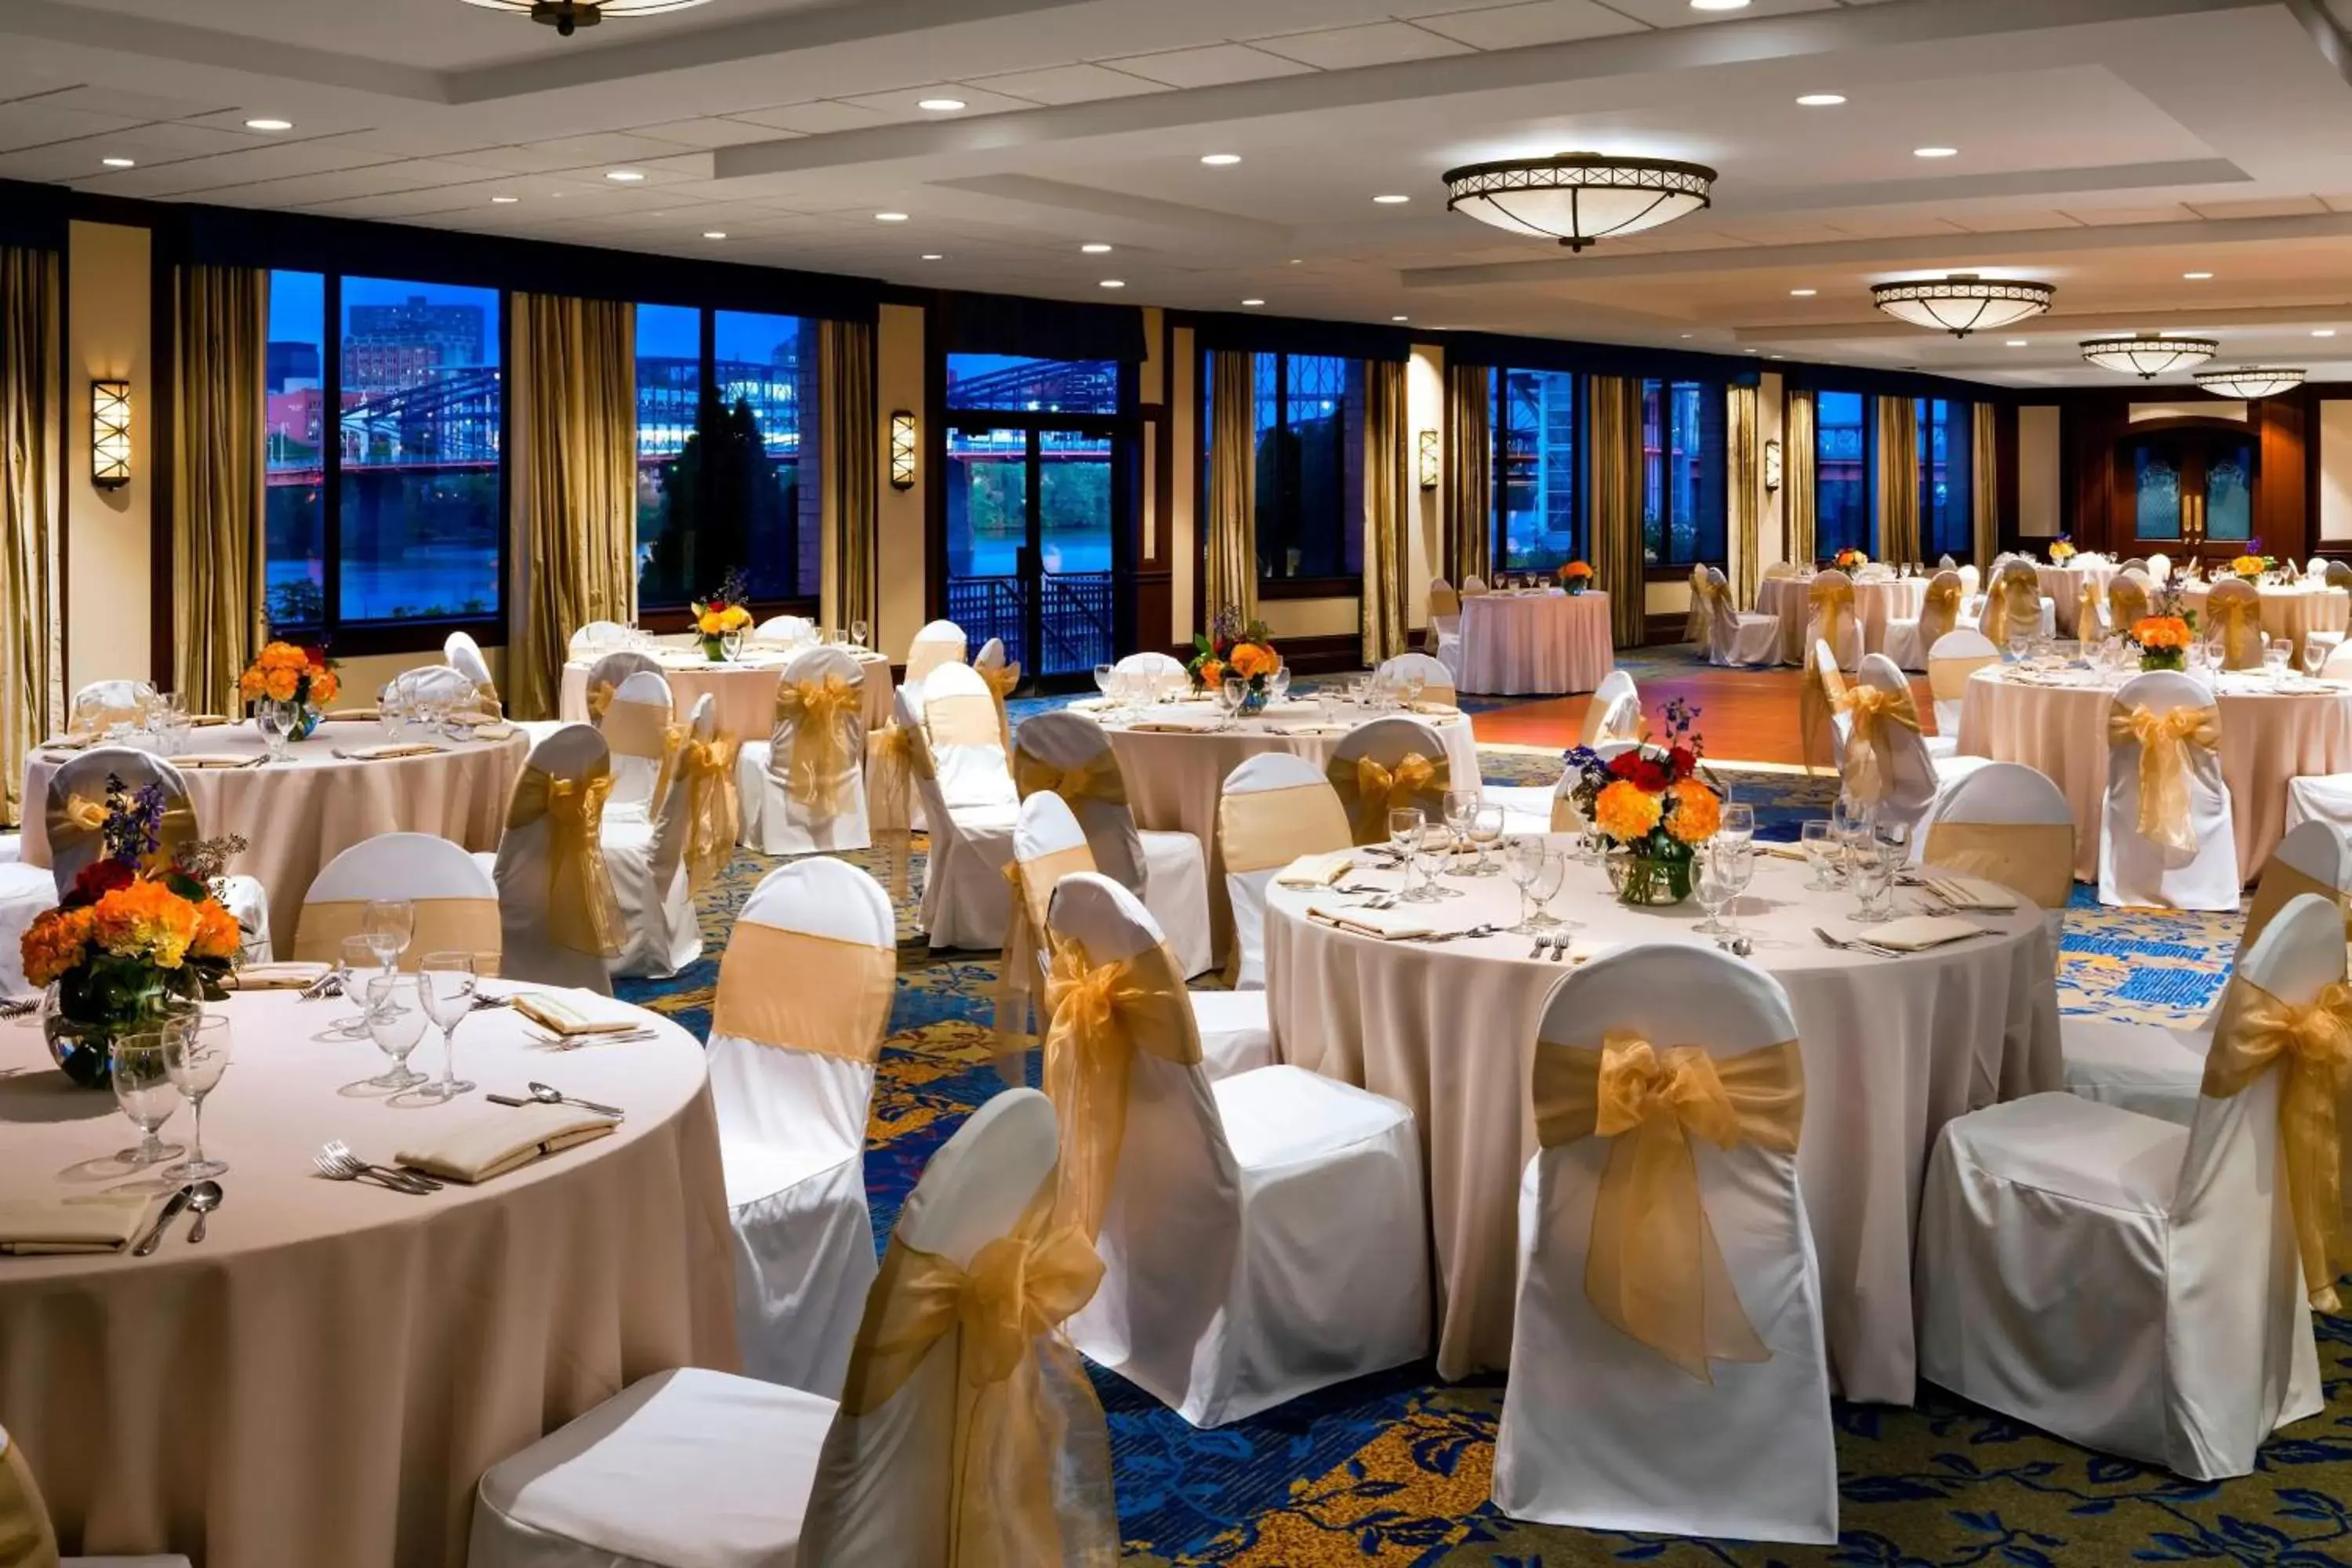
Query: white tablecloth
[1542,643]
[1893,1049]
[297,814]
[1876,603]
[2267,738]
[2288,611]
[324,1378]
[746,691]
[2062,586]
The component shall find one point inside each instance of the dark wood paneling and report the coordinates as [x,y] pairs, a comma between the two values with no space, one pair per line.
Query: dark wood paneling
[2284,506]
[1321,655]
[2097,498]
[1155,604]
[2005,487]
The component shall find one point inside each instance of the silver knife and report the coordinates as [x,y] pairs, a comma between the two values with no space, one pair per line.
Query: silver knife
[155,1237]
[613,1111]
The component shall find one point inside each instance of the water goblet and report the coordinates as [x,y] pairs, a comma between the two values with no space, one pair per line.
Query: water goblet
[271,718]
[1404,835]
[1485,832]
[1277,685]
[1232,692]
[1549,878]
[389,925]
[195,1055]
[1459,805]
[1434,850]
[1821,851]
[1849,819]
[395,1030]
[1739,875]
[1106,678]
[1713,887]
[2314,659]
[144,1089]
[1523,859]
[857,633]
[1737,828]
[446,983]
[2275,655]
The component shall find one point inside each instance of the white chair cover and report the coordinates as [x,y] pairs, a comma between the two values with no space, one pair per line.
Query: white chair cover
[1847,645]
[1736,636]
[599,636]
[1445,628]
[2235,596]
[1614,713]
[2125,1283]
[636,731]
[2137,870]
[645,853]
[1600,1429]
[1909,640]
[465,656]
[83,776]
[1274,807]
[1164,671]
[557,935]
[1262,1236]
[785,631]
[1473,583]
[963,900]
[102,703]
[968,755]
[1389,742]
[2014,582]
[1951,659]
[1436,680]
[939,643]
[2159,569]
[604,678]
[26,893]
[1910,776]
[1003,676]
[456,904]
[2005,822]
[799,804]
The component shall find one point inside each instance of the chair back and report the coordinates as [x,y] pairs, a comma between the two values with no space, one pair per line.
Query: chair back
[456,902]
[1388,762]
[1436,680]
[636,732]
[965,743]
[785,631]
[596,637]
[2339,574]
[1821,707]
[816,752]
[1004,677]
[1614,713]
[103,704]
[1048,844]
[2233,608]
[2126,601]
[1971,580]
[2168,837]
[2008,824]
[1274,807]
[1165,672]
[604,678]
[1939,606]
[1832,617]
[1067,754]
[1886,762]
[697,807]
[1778,570]
[1472,583]
[557,913]
[2133,564]
[2313,857]
[1445,606]
[2013,602]
[939,643]
[2339,662]
[1951,659]
[73,811]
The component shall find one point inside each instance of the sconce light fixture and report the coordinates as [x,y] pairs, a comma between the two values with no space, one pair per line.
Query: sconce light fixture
[109,433]
[1429,460]
[1771,465]
[902,450]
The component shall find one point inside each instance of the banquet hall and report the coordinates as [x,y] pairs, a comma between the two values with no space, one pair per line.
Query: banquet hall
[1480,783]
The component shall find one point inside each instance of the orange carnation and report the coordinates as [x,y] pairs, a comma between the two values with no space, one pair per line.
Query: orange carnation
[145,919]
[281,684]
[1212,672]
[1698,814]
[2161,633]
[1624,811]
[55,944]
[1251,660]
[323,686]
[217,932]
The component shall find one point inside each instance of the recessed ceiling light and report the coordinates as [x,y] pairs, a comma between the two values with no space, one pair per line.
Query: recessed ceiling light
[269,125]
[1935,152]
[714,234]
[890,217]
[933,255]
[120,163]
[940,105]
[2196,277]
[1296,260]
[1097,249]
[2324,333]
[1219,159]
[1114,282]
[1392,200]
[1751,350]
[1399,318]
[625,176]
[1780,356]
[1718,5]
[1822,100]
[1253,301]
[504,201]
[2016,342]
[1690,334]
[1803,293]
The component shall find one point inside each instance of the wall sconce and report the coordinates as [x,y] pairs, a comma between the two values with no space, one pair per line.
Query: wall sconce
[902,450]
[1771,465]
[109,433]
[1429,460]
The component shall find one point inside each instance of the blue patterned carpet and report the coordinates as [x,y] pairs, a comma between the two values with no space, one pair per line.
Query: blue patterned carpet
[1395,1469]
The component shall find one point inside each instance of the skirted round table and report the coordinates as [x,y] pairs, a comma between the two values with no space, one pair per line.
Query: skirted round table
[1875,602]
[745,688]
[2289,610]
[1547,643]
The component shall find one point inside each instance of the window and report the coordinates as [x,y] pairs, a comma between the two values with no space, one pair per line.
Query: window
[1947,450]
[400,515]
[1842,516]
[1022,384]
[1539,518]
[1682,517]
[722,399]
[1309,414]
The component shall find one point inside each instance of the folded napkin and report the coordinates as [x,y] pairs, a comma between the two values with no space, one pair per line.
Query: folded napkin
[494,1141]
[1915,934]
[87,1221]
[386,753]
[66,742]
[1315,870]
[577,1012]
[466,719]
[501,731]
[1389,925]
[351,715]
[1437,710]
[286,977]
[1091,704]
[1169,727]
[1782,851]
[1967,892]
[206,720]
[1282,727]
[217,760]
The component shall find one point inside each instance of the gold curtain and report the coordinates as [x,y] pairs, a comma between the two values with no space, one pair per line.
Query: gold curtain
[31,666]
[1898,479]
[1796,456]
[1613,444]
[218,432]
[1744,457]
[1469,471]
[845,361]
[1231,579]
[575,483]
[1984,487]
[1387,498]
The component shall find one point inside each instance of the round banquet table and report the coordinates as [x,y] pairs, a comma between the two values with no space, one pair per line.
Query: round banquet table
[745,690]
[1877,602]
[1176,767]
[2289,610]
[2062,586]
[325,1378]
[1547,643]
[1892,1048]
[297,814]
[2057,724]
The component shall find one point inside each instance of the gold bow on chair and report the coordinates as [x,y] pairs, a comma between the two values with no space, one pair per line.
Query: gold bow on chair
[1700,623]
[1032,1456]
[1822,693]
[1096,778]
[714,804]
[821,767]
[894,756]
[600,698]
[1652,1269]
[2164,742]
[1832,603]
[1031,883]
[1869,759]
[2013,604]
[2241,622]
[1375,789]
[1939,607]
[1102,1015]
[1002,680]
[83,819]
[2313,1046]
[582,916]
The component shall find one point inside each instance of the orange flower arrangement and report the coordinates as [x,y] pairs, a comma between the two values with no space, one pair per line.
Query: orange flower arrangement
[144,919]
[56,943]
[1625,811]
[1227,648]
[1253,660]
[2161,634]
[1697,812]
[286,672]
[1576,576]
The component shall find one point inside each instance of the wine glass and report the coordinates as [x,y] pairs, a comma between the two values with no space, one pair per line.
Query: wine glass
[1277,685]
[1232,692]
[1713,885]
[1874,855]
[2314,659]
[144,1089]
[857,633]
[1737,828]
[272,718]
[196,1054]
[1404,834]
[389,925]
[395,1030]
[1523,859]
[1459,806]
[1736,876]
[1550,877]
[2275,654]
[1105,678]
[1850,820]
[1435,849]
[446,983]
[1485,832]
[1821,849]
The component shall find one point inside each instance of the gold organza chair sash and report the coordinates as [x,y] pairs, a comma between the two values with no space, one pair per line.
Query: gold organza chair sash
[1869,752]
[800,992]
[26,1536]
[2240,619]
[2037,858]
[443,925]
[2088,614]
[1031,882]
[1832,607]
[1369,789]
[582,916]
[2282,884]
[77,829]
[1939,608]
[2312,1045]
[636,729]
[600,698]
[1258,830]
[2126,603]
[1102,1015]
[2164,741]
[1096,778]
[1032,1454]
[1003,680]
[823,767]
[1704,596]
[2013,604]
[1652,1269]
[1821,694]
[714,802]
[895,757]
[1444,603]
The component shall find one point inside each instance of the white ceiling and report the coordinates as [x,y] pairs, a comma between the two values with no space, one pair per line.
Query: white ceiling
[2107,146]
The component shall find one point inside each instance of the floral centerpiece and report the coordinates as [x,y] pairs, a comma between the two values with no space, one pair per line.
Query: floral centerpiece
[1850,559]
[1228,647]
[1576,576]
[2062,551]
[1653,806]
[296,679]
[2250,567]
[2162,641]
[136,939]
[722,618]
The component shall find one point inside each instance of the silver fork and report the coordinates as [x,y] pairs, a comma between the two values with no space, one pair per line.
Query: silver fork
[337,1160]
[1559,946]
[1855,944]
[573,1042]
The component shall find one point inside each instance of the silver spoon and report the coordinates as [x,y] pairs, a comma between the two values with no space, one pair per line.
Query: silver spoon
[203,1197]
[547,1094]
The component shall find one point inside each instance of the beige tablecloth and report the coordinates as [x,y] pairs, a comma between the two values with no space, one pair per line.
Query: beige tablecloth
[746,691]
[297,814]
[1543,644]
[1893,1049]
[2267,738]
[2062,586]
[323,1379]
[1790,598]
[2288,612]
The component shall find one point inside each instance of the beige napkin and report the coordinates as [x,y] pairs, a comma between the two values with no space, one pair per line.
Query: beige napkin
[352,716]
[502,1139]
[286,977]
[87,1222]
[1295,728]
[216,760]
[1389,925]
[1782,851]
[473,720]
[206,720]
[1315,870]
[1967,892]
[1436,710]
[387,752]
[1167,727]
[499,731]
[66,742]
[1914,933]
[576,1012]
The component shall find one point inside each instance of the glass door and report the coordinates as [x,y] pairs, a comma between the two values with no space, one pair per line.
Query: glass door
[1031,516]
[2189,491]
[1071,529]
[990,571]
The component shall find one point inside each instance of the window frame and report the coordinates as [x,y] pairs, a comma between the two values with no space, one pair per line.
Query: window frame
[1498,478]
[1958,427]
[1868,543]
[1340,586]
[1717,451]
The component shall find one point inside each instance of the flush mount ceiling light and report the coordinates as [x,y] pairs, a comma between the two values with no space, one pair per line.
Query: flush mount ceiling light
[2250,381]
[2148,355]
[1935,152]
[120,163]
[568,16]
[1963,302]
[1577,198]
[1221,160]
[625,176]
[1821,100]
[268,124]
[940,105]
[1096,248]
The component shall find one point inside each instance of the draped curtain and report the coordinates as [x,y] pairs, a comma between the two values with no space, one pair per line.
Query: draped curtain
[1469,471]
[1984,494]
[574,483]
[31,666]
[1796,456]
[846,361]
[221,324]
[1388,494]
[1898,479]
[1614,465]
[1230,582]
[1744,457]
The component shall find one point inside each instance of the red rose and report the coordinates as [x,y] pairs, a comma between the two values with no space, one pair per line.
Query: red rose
[1643,773]
[1683,760]
[98,879]
[317,655]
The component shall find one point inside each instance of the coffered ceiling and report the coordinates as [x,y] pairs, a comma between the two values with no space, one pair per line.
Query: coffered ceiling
[2111,147]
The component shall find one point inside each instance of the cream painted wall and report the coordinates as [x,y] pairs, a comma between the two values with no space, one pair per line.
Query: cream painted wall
[2335,471]
[1311,617]
[1185,502]
[108,537]
[901,536]
[2040,511]
[1424,395]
